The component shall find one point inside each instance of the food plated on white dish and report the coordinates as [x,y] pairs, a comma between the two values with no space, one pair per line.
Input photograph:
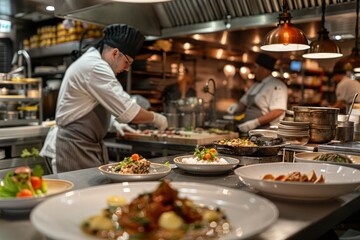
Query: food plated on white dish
[346,160]
[54,186]
[337,180]
[49,217]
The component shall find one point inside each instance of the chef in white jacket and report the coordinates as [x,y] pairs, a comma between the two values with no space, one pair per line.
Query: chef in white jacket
[90,93]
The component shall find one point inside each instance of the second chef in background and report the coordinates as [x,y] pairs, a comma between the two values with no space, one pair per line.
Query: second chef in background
[90,94]
[265,102]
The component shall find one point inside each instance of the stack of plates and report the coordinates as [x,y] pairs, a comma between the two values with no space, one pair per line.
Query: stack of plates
[294,132]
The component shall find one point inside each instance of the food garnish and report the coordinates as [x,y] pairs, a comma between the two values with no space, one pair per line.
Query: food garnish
[296,177]
[206,154]
[135,164]
[333,157]
[160,214]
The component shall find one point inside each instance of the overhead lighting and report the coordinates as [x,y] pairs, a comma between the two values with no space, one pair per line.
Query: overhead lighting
[50,8]
[323,47]
[143,1]
[286,37]
[229,70]
[351,62]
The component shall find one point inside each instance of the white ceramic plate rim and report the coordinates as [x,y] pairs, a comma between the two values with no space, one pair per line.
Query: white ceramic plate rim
[202,168]
[260,212]
[301,157]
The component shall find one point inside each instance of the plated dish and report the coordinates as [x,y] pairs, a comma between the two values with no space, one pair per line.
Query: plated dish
[188,163]
[54,186]
[156,171]
[311,157]
[49,217]
[339,180]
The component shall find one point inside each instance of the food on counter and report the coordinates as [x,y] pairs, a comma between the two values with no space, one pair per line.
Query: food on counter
[296,177]
[235,142]
[160,214]
[23,182]
[203,155]
[333,157]
[135,164]
[217,131]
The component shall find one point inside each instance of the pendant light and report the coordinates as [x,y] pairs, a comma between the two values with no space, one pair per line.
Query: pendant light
[286,37]
[323,47]
[349,63]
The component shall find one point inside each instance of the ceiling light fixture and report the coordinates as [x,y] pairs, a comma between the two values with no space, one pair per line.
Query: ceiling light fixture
[349,63]
[286,37]
[323,47]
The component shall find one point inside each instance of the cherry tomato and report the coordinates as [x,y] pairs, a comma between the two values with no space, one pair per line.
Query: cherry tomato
[36,182]
[24,193]
[207,155]
[135,157]
[213,150]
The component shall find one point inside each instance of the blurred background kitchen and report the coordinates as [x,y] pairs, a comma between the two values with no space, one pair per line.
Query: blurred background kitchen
[216,42]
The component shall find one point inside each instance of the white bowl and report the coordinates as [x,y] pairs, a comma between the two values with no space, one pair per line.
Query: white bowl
[263,133]
[339,180]
[308,157]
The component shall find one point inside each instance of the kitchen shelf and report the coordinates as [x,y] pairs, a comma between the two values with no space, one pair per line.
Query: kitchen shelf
[17,122]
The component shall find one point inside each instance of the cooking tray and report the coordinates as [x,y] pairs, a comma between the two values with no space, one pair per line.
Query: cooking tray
[258,151]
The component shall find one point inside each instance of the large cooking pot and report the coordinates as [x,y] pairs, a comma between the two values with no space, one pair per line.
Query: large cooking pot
[316,115]
[322,133]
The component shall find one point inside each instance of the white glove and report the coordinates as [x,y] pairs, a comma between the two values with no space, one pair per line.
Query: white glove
[122,127]
[160,121]
[249,125]
[232,108]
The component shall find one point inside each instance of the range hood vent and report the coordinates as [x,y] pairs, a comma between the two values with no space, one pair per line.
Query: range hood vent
[182,17]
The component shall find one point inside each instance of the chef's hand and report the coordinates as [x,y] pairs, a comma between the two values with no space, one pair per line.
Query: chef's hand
[249,125]
[232,108]
[160,121]
[122,127]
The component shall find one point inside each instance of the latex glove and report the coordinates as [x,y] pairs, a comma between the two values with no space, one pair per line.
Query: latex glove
[249,125]
[232,108]
[122,128]
[160,121]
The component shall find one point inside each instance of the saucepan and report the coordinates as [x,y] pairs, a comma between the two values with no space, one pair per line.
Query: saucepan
[315,115]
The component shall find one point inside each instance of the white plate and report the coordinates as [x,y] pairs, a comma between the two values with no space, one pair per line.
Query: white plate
[60,217]
[339,180]
[308,157]
[202,168]
[55,186]
[157,171]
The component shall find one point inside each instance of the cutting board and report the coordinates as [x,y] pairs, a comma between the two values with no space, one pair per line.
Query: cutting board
[185,138]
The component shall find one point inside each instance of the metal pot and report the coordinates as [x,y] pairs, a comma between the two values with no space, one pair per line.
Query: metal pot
[190,104]
[322,133]
[316,115]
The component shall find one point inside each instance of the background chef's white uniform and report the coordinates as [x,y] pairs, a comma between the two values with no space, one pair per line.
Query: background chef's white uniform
[346,90]
[89,94]
[263,97]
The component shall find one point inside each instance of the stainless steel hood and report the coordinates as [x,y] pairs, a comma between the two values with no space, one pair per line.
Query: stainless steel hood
[183,17]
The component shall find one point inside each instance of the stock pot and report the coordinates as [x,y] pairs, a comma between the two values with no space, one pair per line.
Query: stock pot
[316,115]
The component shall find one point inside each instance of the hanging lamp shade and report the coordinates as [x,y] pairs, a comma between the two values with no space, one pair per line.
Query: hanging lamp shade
[323,47]
[286,37]
[349,63]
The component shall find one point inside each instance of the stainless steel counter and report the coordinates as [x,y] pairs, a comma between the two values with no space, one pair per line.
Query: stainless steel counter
[297,220]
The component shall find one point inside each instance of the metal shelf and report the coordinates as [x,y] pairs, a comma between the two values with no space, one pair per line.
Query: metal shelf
[17,122]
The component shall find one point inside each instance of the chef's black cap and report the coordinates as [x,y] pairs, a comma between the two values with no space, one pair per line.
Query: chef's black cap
[127,39]
[266,61]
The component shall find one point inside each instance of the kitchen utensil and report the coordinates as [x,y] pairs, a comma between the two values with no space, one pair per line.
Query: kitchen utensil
[345,131]
[351,106]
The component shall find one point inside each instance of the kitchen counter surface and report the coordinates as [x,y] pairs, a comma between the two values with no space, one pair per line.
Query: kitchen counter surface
[297,220]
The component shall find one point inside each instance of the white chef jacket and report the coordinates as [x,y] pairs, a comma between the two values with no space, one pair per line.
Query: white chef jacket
[88,82]
[271,94]
[346,89]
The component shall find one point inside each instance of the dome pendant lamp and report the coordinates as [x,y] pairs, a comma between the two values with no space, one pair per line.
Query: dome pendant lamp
[323,47]
[286,37]
[349,63]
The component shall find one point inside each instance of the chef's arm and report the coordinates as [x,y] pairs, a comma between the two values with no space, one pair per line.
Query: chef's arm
[270,116]
[143,116]
[241,107]
[339,104]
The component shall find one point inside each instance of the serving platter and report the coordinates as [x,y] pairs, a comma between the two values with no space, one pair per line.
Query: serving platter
[206,168]
[308,157]
[60,217]
[339,180]
[55,186]
[157,171]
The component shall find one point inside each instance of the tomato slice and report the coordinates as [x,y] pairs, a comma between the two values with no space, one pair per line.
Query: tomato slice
[24,193]
[36,182]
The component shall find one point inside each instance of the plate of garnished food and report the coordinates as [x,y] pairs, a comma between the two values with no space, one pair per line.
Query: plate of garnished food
[346,160]
[253,146]
[206,161]
[300,181]
[154,210]
[135,168]
[25,187]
